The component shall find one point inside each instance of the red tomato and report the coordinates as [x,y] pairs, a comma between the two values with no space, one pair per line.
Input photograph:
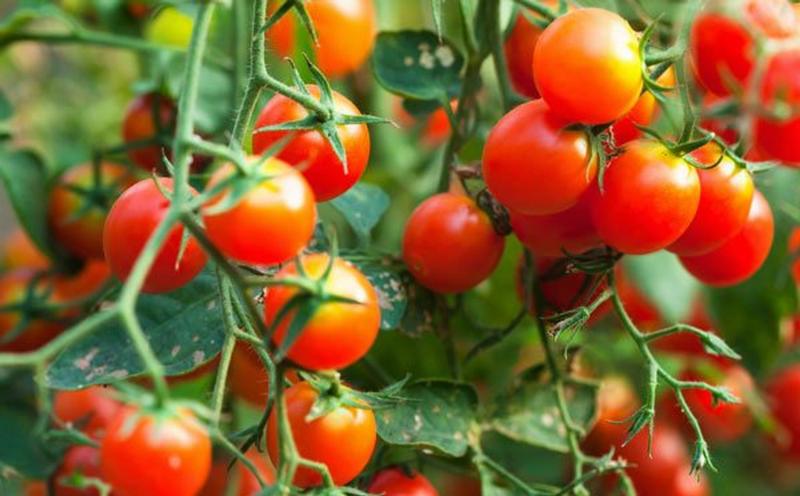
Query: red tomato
[247,377]
[281,36]
[726,192]
[19,252]
[83,460]
[396,482]
[773,138]
[616,402]
[35,488]
[92,407]
[570,231]
[519,48]
[217,482]
[270,223]
[533,165]
[650,199]
[446,233]
[38,331]
[77,220]
[338,334]
[345,30]
[783,394]
[794,252]
[158,454]
[724,40]
[642,114]
[741,256]
[584,45]
[436,128]
[131,222]
[139,124]
[91,278]
[309,151]
[248,484]
[343,439]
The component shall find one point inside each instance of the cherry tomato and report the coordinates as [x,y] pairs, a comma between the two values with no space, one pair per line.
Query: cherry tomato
[78,460]
[642,114]
[794,252]
[149,117]
[89,280]
[741,256]
[724,40]
[446,233]
[35,488]
[338,334]
[14,288]
[775,138]
[726,192]
[170,27]
[533,165]
[343,439]
[570,231]
[309,151]
[77,219]
[270,223]
[649,200]
[158,454]
[396,482]
[519,48]
[129,225]
[616,402]
[345,31]
[436,128]
[594,45]
[248,484]
[247,377]
[92,408]
[19,252]
[783,395]
[281,36]
[217,482]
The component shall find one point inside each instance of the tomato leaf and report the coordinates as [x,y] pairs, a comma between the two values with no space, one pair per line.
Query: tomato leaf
[392,297]
[184,328]
[420,309]
[417,64]
[435,414]
[6,109]
[362,206]
[665,283]
[22,448]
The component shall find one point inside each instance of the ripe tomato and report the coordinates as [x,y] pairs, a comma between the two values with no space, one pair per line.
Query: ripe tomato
[650,198]
[83,460]
[570,231]
[131,222]
[37,331]
[446,233]
[270,223]
[248,484]
[783,395]
[589,45]
[309,151]
[741,256]
[342,439]
[338,334]
[217,482]
[345,31]
[170,27]
[89,280]
[726,192]
[35,488]
[396,482]
[519,48]
[642,114]
[158,454]
[775,138]
[724,40]
[616,402]
[140,124]
[533,165]
[247,378]
[436,128]
[93,408]
[77,219]
[19,252]
[794,252]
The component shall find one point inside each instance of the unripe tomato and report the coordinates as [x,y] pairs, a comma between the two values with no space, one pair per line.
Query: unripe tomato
[77,219]
[38,331]
[338,334]
[19,252]
[650,197]
[270,223]
[83,460]
[570,231]
[158,454]
[725,36]
[140,124]
[247,377]
[92,408]
[779,139]
[594,45]
[129,225]
[642,114]
[343,439]
[519,48]
[396,482]
[170,27]
[445,234]
[310,151]
[794,252]
[726,192]
[533,164]
[741,256]
[783,395]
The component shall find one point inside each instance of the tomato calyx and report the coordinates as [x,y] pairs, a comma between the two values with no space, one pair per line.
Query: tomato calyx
[333,394]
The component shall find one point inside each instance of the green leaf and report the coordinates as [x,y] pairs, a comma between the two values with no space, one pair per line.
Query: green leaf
[435,414]
[362,206]
[388,283]
[6,109]
[420,108]
[416,64]
[420,309]
[665,283]
[530,414]
[436,8]
[184,328]
[26,14]
[22,448]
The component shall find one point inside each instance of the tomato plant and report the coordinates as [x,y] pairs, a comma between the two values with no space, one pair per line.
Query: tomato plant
[92,408]
[147,119]
[79,462]
[396,482]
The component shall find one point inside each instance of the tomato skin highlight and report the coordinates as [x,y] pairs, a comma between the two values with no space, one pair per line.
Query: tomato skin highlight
[94,405]
[131,222]
[344,439]
[589,44]
[740,257]
[726,192]
[271,223]
[649,200]
[84,460]
[446,233]
[395,482]
[155,454]
[533,165]
[774,138]
[309,151]
[338,334]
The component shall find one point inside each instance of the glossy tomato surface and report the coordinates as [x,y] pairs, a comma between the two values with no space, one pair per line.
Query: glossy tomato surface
[396,482]
[779,138]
